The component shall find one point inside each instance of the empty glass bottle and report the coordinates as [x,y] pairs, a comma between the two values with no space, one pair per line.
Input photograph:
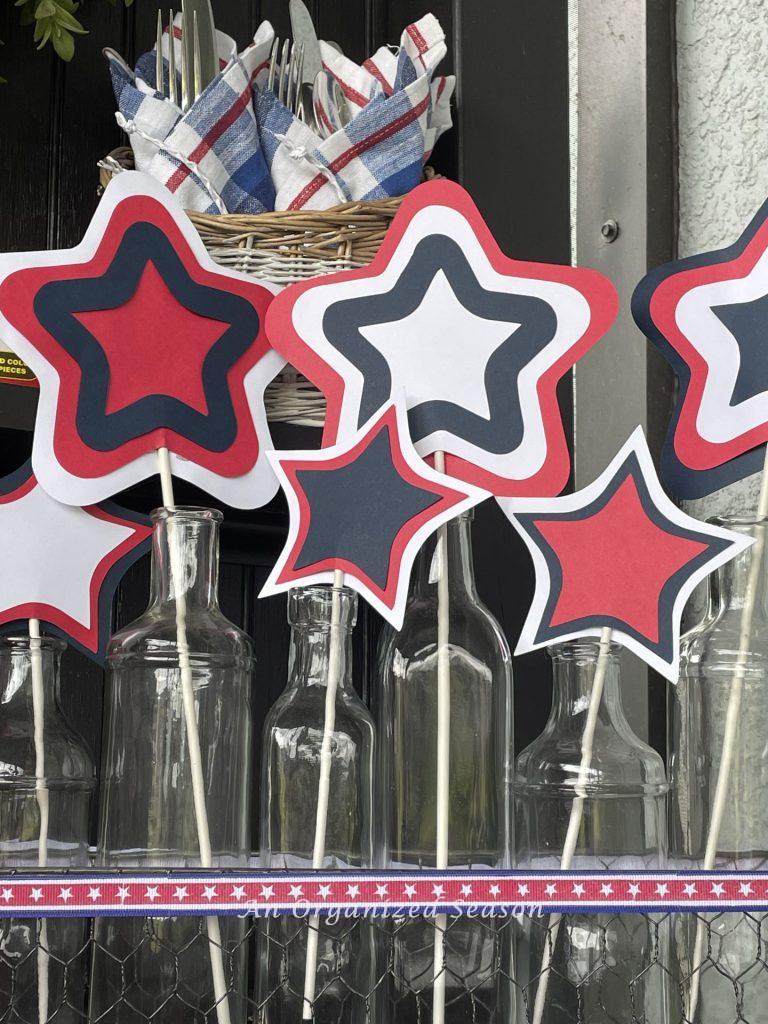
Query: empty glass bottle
[480,762]
[731,981]
[162,967]
[604,967]
[65,786]
[291,767]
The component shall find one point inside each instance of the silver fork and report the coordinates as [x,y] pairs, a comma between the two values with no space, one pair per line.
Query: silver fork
[286,68]
[191,78]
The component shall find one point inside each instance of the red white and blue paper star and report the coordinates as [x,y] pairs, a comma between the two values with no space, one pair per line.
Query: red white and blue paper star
[617,554]
[61,563]
[476,341]
[139,340]
[708,315]
[364,507]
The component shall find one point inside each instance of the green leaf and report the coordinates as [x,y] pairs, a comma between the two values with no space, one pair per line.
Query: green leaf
[64,45]
[45,9]
[67,21]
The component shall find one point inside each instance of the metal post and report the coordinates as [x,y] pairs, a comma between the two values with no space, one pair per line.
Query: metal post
[625,223]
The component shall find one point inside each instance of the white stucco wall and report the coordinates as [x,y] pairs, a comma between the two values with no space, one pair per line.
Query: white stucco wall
[722,63]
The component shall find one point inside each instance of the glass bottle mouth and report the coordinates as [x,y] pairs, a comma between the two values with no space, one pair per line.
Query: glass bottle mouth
[739,521]
[186,513]
[18,644]
[581,649]
[311,607]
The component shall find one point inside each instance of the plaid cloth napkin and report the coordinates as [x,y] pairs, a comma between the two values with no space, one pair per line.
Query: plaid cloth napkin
[210,156]
[398,113]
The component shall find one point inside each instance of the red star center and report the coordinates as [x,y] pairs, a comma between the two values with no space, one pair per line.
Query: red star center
[616,563]
[138,365]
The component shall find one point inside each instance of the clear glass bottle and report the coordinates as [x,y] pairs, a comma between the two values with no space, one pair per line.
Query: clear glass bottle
[67,786]
[732,982]
[293,737]
[604,967]
[162,967]
[480,764]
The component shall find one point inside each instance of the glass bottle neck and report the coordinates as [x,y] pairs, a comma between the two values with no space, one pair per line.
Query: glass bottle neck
[574,668]
[185,557]
[730,584]
[458,555]
[322,620]
[16,677]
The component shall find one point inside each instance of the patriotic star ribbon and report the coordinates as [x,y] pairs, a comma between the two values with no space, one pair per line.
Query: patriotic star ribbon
[394,893]
[708,314]
[477,342]
[140,341]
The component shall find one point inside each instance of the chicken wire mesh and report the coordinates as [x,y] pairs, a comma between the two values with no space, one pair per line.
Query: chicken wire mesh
[632,968]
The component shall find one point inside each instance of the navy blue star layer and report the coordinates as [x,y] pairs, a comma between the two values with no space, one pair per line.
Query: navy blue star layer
[620,555]
[708,316]
[363,509]
[57,302]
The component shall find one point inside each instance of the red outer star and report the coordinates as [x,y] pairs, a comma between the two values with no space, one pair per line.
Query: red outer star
[166,350]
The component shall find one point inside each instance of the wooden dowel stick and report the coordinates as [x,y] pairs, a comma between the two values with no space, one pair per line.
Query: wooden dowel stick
[443,755]
[42,795]
[577,813]
[215,947]
[730,732]
[335,667]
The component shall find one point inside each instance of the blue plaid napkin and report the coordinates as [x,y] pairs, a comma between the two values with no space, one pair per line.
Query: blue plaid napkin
[210,157]
[398,110]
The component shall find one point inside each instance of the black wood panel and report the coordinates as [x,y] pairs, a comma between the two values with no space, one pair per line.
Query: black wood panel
[509,148]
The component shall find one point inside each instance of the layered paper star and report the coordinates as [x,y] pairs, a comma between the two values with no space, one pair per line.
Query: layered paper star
[476,341]
[708,315]
[620,554]
[139,341]
[61,563]
[364,507]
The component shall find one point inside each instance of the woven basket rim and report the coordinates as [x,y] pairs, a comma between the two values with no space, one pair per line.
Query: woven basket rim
[359,210]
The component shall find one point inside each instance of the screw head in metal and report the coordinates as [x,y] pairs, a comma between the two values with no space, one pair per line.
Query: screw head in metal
[610,230]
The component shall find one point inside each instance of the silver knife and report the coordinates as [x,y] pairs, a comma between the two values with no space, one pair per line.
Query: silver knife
[304,33]
[206,34]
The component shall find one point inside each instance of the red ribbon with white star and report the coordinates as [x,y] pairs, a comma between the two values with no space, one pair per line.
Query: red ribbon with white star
[381,894]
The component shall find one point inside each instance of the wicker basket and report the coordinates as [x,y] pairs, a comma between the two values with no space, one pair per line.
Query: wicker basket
[285,247]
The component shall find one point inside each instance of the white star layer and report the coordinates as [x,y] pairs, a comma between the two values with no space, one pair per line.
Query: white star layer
[436,321]
[69,545]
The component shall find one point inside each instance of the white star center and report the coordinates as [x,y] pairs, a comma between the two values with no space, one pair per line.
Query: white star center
[437,322]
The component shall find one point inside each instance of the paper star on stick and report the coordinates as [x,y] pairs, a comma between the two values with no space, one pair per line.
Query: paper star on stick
[476,341]
[364,507]
[62,564]
[617,554]
[140,341]
[708,315]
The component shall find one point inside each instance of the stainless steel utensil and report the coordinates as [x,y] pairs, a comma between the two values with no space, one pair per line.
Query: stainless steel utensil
[286,63]
[304,34]
[193,71]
